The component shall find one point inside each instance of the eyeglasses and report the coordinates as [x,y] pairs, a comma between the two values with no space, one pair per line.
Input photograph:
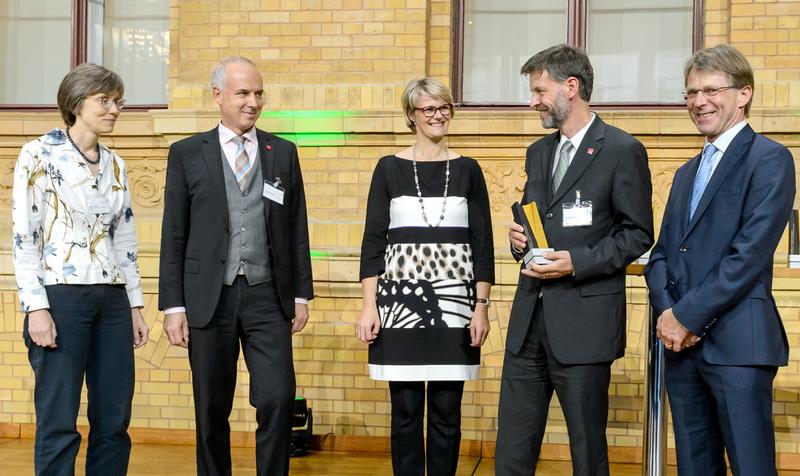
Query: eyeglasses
[107,103]
[707,92]
[445,109]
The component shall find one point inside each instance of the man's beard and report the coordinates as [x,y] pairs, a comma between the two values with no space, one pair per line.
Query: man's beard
[557,114]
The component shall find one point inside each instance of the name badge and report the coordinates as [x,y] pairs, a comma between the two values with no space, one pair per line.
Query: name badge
[99,205]
[274,191]
[577,213]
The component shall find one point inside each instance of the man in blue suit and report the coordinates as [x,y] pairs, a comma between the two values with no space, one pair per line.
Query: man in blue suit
[710,276]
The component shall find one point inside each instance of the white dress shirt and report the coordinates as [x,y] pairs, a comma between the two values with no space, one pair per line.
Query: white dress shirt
[722,143]
[575,140]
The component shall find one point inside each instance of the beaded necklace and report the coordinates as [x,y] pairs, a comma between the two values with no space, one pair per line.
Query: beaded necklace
[419,191]
[87,159]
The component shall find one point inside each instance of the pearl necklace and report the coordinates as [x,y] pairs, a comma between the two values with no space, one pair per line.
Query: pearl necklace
[419,192]
[97,146]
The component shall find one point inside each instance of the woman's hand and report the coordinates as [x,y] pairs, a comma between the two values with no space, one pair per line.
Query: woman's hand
[41,328]
[140,329]
[479,327]
[368,325]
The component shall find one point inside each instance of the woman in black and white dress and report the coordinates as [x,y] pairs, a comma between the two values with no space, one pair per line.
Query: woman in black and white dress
[427,267]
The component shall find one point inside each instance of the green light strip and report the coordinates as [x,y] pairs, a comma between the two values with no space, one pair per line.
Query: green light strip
[308,114]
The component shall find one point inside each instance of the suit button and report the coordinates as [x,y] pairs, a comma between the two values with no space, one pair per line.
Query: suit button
[672,283]
[683,249]
[549,216]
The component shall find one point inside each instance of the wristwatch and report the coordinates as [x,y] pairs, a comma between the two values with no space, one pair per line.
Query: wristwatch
[485,301]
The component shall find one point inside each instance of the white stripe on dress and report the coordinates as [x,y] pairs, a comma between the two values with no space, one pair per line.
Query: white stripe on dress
[418,373]
[405,211]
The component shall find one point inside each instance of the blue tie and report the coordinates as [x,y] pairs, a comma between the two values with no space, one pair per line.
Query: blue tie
[703,176]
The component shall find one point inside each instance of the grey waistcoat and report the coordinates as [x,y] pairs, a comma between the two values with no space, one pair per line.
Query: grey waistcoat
[248,248]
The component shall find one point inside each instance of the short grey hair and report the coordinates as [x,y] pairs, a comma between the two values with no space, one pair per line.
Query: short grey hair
[219,77]
[85,80]
[563,62]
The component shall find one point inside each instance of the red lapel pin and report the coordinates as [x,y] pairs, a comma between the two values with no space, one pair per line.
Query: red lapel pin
[590,151]
[268,147]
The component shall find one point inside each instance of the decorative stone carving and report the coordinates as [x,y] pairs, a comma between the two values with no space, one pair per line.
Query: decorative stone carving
[662,174]
[6,183]
[147,179]
[505,182]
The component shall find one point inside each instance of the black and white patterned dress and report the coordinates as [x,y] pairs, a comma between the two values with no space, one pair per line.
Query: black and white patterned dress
[426,275]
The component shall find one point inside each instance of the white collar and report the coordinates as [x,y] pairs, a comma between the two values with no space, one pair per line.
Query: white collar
[578,137]
[225,134]
[724,140]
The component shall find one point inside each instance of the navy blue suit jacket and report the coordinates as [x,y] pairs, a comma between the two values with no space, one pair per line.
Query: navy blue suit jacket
[715,271]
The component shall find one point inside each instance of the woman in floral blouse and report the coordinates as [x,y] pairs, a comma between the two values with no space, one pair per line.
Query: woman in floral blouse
[74,255]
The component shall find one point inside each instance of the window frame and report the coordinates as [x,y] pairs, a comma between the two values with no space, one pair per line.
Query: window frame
[577,19]
[79,41]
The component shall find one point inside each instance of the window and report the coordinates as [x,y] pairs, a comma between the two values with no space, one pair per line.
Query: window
[637,47]
[33,29]
[43,39]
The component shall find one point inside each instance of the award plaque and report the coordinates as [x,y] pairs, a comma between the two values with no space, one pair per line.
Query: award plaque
[528,216]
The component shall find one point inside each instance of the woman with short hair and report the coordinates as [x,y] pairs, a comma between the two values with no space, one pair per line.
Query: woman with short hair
[427,267]
[74,254]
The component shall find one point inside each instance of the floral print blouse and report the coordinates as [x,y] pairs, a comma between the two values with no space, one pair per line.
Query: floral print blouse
[69,226]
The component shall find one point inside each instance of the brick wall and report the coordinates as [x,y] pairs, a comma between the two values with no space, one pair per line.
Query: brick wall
[333,72]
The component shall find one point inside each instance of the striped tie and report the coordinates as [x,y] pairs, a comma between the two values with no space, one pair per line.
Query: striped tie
[242,162]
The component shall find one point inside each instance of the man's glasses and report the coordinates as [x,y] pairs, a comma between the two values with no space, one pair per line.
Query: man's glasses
[445,109]
[707,92]
[107,103]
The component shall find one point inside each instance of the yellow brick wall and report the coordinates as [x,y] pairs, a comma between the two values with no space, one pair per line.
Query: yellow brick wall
[333,72]
[315,54]
[768,33]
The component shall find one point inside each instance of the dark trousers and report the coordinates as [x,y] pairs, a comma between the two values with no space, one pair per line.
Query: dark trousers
[253,316]
[95,339]
[718,407]
[444,427]
[529,379]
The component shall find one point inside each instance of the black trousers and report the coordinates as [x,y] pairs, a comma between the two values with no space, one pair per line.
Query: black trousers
[717,408]
[529,379]
[252,316]
[444,427]
[95,339]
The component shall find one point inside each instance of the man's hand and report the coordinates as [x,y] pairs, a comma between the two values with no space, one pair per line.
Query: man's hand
[368,325]
[672,333]
[177,329]
[516,236]
[479,326]
[300,317]
[560,266]
[41,328]
[140,329]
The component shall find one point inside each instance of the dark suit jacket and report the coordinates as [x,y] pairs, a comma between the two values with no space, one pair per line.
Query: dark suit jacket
[715,272]
[194,234]
[585,314]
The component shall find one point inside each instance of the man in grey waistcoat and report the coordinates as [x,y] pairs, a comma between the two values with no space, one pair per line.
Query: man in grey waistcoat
[235,269]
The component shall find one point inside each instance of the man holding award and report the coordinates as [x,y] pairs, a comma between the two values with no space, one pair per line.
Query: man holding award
[588,197]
